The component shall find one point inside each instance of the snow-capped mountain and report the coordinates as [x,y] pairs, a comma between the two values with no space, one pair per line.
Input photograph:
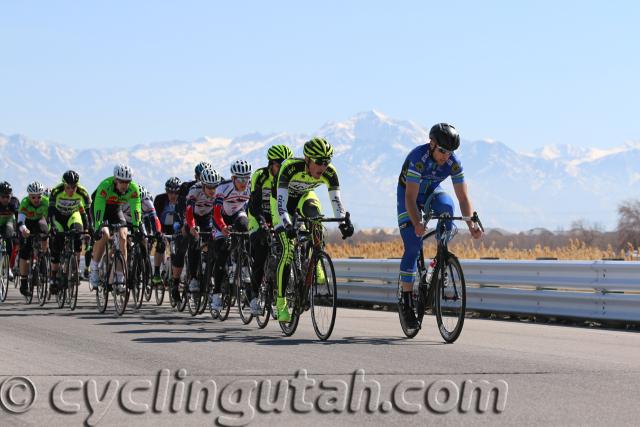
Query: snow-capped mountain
[549,187]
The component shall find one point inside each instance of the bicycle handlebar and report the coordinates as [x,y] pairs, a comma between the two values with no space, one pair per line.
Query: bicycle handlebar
[473,218]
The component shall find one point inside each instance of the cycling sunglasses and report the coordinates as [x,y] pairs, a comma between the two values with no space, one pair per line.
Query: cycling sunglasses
[242,180]
[443,150]
[322,162]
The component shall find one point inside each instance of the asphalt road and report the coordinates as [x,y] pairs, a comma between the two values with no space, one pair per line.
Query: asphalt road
[148,366]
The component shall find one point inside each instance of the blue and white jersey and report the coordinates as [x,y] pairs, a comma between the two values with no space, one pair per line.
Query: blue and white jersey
[419,168]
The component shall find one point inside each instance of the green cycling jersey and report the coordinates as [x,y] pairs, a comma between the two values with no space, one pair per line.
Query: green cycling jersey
[107,195]
[27,211]
[293,182]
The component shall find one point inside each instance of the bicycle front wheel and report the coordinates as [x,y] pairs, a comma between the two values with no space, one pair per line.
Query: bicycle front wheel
[119,288]
[451,298]
[73,281]
[293,304]
[102,292]
[243,280]
[4,275]
[61,295]
[137,280]
[323,295]
[43,281]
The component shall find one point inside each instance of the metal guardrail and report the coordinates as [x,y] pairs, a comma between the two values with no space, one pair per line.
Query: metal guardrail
[590,290]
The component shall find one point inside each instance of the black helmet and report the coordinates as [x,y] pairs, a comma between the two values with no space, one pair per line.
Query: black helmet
[446,136]
[71,177]
[172,184]
[5,188]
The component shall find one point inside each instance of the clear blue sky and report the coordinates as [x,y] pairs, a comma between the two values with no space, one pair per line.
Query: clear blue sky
[128,72]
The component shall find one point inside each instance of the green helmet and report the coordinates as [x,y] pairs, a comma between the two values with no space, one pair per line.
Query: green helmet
[279,152]
[318,148]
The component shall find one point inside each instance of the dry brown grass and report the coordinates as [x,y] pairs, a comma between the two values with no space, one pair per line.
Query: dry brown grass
[575,250]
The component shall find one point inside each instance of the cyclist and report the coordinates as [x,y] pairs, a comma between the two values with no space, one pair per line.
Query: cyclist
[67,211]
[419,189]
[8,212]
[165,205]
[292,190]
[32,219]
[185,187]
[230,211]
[149,222]
[259,208]
[198,217]
[111,194]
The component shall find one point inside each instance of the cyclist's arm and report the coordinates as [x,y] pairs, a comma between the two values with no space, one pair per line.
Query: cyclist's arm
[136,205]
[330,178]
[255,199]
[217,211]
[463,200]
[99,206]
[410,200]
[22,213]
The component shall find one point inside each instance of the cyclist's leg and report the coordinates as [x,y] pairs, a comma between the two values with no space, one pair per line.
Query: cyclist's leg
[60,224]
[284,262]
[26,245]
[309,206]
[259,253]
[442,203]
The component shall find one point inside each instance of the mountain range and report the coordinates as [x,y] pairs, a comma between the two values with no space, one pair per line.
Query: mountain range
[513,190]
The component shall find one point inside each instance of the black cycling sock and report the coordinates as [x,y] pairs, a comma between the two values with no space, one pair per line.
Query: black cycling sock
[406,298]
[156,270]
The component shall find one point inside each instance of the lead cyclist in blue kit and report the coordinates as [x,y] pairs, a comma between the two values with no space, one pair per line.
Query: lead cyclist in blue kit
[419,191]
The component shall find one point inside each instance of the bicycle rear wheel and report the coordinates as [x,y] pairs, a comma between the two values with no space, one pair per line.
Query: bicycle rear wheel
[451,298]
[4,274]
[183,287]
[120,293]
[43,280]
[102,292]
[323,295]
[73,281]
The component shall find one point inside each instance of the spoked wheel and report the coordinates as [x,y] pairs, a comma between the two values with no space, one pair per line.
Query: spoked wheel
[323,296]
[207,286]
[102,293]
[43,280]
[73,282]
[4,275]
[148,286]
[227,296]
[243,280]
[159,289]
[32,282]
[184,285]
[264,296]
[451,298]
[120,293]
[61,294]
[136,276]
[289,328]
[193,300]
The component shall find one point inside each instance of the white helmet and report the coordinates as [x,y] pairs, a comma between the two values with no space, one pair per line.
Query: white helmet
[144,193]
[35,188]
[209,176]
[122,172]
[241,168]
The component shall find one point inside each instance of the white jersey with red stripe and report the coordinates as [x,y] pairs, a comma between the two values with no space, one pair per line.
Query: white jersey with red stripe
[148,210]
[231,200]
[202,204]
